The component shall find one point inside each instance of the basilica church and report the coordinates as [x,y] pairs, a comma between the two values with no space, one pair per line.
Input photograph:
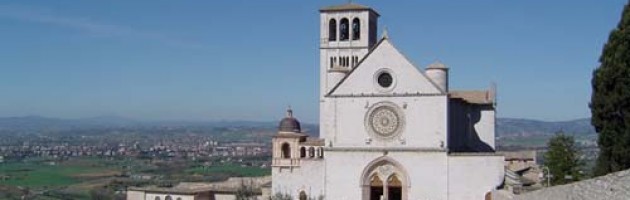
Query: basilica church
[389,129]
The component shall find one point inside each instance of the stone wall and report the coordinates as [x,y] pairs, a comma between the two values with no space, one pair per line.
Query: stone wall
[615,186]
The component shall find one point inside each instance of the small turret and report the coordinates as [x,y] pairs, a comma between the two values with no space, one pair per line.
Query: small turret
[289,123]
[438,73]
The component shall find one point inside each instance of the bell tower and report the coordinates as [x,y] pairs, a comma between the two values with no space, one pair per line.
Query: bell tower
[347,33]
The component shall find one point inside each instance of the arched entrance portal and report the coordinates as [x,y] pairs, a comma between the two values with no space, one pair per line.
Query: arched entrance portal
[385,179]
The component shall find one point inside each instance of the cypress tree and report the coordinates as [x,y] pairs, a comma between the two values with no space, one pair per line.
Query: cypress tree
[610,101]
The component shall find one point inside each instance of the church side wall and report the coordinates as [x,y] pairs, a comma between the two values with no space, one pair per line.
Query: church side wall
[472,176]
[425,122]
[486,125]
[471,127]
[308,178]
[427,172]
[458,129]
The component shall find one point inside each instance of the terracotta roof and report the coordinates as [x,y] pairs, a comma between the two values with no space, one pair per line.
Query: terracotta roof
[348,6]
[473,96]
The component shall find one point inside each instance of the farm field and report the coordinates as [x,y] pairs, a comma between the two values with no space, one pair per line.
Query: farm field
[231,170]
[62,179]
[80,178]
[50,174]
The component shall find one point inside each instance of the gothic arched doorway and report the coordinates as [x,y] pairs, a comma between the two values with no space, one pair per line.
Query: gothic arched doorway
[384,178]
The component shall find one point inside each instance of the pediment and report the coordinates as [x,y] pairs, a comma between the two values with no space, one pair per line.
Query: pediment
[385,58]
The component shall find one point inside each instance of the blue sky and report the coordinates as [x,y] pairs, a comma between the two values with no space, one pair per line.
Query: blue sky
[248,60]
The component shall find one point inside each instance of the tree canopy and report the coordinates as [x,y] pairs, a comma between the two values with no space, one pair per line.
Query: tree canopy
[610,101]
[563,159]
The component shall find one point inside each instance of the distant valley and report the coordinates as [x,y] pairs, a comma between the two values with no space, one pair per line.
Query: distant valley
[527,127]
[506,127]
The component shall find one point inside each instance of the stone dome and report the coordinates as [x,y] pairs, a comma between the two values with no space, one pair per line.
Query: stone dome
[289,123]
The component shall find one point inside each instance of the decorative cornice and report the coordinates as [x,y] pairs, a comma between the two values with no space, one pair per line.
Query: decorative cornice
[382,149]
[386,95]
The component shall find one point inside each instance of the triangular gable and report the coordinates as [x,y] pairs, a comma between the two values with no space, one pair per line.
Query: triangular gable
[385,56]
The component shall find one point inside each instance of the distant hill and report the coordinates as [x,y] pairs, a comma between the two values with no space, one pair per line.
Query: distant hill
[505,126]
[528,127]
[37,124]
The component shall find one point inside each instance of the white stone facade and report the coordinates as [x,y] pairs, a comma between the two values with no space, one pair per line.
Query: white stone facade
[388,129]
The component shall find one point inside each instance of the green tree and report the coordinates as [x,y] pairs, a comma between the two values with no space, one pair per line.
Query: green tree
[610,101]
[101,193]
[563,159]
[246,191]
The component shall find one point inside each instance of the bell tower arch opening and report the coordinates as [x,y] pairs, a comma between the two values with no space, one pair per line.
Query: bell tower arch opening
[332,30]
[286,150]
[356,29]
[344,30]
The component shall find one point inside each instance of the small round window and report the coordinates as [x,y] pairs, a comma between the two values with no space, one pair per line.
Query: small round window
[385,79]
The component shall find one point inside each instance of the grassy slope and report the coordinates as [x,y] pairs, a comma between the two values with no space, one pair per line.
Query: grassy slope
[35,174]
[233,170]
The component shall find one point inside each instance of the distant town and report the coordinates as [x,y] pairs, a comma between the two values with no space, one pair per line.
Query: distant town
[131,154]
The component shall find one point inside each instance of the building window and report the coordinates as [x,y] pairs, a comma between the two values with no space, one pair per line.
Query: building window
[311,152]
[394,188]
[321,152]
[332,30]
[331,62]
[157,198]
[385,80]
[286,150]
[356,29]
[303,196]
[302,152]
[168,197]
[344,29]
